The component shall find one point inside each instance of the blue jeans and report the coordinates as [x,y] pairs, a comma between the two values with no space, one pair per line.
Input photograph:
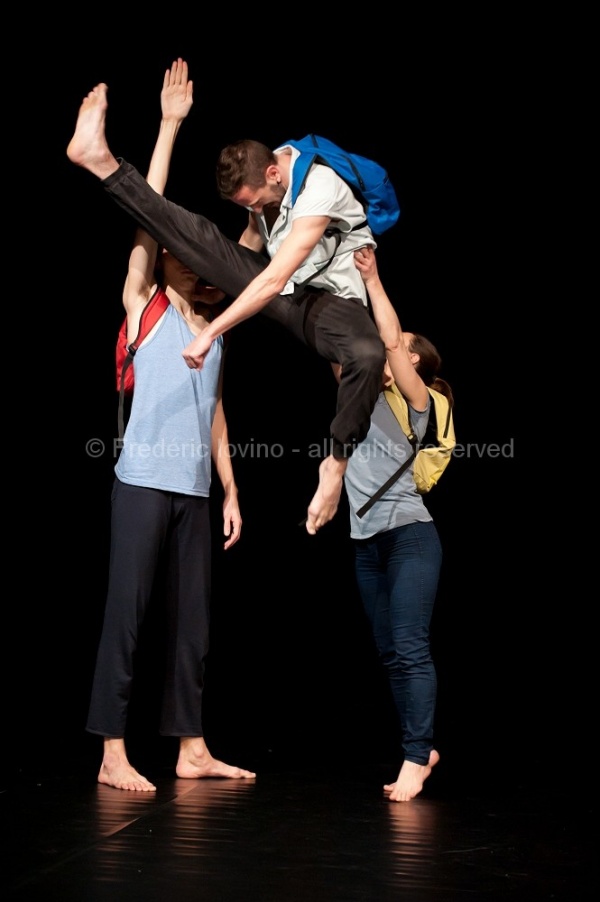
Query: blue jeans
[397,573]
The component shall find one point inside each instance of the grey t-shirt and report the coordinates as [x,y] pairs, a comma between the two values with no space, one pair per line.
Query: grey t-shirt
[382,453]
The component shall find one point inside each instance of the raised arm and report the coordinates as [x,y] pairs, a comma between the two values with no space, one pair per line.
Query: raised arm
[388,323]
[176,100]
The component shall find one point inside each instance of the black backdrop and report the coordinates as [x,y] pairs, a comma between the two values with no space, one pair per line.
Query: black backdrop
[291,664]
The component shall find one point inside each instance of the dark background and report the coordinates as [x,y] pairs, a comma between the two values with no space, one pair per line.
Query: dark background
[291,667]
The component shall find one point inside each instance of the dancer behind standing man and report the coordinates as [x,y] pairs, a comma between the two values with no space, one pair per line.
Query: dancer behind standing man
[160,503]
[326,310]
[397,549]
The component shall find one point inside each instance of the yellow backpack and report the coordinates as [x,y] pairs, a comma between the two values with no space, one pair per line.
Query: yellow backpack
[433,455]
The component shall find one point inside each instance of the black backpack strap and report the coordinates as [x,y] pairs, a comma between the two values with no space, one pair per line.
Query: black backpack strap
[395,476]
[338,238]
[337,234]
[381,491]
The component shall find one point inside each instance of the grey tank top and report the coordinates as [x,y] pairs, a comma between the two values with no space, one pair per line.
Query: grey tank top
[167,442]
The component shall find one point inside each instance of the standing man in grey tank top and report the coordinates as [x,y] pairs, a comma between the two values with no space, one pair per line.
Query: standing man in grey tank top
[160,519]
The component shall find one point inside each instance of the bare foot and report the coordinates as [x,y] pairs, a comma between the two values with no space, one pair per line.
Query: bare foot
[411,779]
[88,147]
[116,770]
[326,499]
[195,762]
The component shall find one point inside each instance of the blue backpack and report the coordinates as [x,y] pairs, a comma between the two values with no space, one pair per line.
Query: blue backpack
[369,181]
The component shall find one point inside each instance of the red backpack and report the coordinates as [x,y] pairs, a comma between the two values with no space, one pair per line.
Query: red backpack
[125,353]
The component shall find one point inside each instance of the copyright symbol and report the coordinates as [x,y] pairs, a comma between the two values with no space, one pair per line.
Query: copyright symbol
[94,447]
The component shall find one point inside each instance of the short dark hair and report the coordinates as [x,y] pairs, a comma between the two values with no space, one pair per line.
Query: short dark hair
[242,163]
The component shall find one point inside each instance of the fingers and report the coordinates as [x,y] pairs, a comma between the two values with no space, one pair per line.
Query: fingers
[233,532]
[194,363]
[177,74]
[311,524]
[195,353]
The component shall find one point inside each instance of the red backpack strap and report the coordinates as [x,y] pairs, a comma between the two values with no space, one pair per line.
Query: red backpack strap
[150,315]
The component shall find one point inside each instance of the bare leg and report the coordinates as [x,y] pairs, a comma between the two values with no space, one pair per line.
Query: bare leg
[196,762]
[326,499]
[411,779]
[88,147]
[116,770]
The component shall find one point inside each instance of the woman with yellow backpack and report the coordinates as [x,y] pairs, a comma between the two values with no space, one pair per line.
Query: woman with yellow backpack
[397,550]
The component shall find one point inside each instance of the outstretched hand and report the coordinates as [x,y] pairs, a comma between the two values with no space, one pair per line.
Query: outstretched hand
[176,97]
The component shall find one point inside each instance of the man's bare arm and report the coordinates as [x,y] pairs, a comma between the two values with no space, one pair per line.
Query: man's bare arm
[305,233]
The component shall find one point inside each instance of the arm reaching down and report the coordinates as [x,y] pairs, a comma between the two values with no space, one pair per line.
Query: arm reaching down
[221,455]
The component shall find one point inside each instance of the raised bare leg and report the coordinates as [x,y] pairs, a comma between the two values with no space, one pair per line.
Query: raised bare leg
[411,779]
[116,770]
[195,762]
[326,499]
[88,147]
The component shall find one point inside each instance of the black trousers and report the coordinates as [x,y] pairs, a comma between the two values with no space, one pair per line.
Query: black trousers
[151,528]
[339,329]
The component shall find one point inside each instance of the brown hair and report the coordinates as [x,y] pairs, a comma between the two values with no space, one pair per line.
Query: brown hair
[242,163]
[429,365]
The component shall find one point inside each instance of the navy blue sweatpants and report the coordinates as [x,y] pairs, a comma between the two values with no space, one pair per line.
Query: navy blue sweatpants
[151,529]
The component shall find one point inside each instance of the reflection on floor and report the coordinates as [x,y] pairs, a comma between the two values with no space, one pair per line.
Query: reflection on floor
[295,834]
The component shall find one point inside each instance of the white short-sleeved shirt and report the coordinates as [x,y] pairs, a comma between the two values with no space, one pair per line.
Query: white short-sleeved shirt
[324,193]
